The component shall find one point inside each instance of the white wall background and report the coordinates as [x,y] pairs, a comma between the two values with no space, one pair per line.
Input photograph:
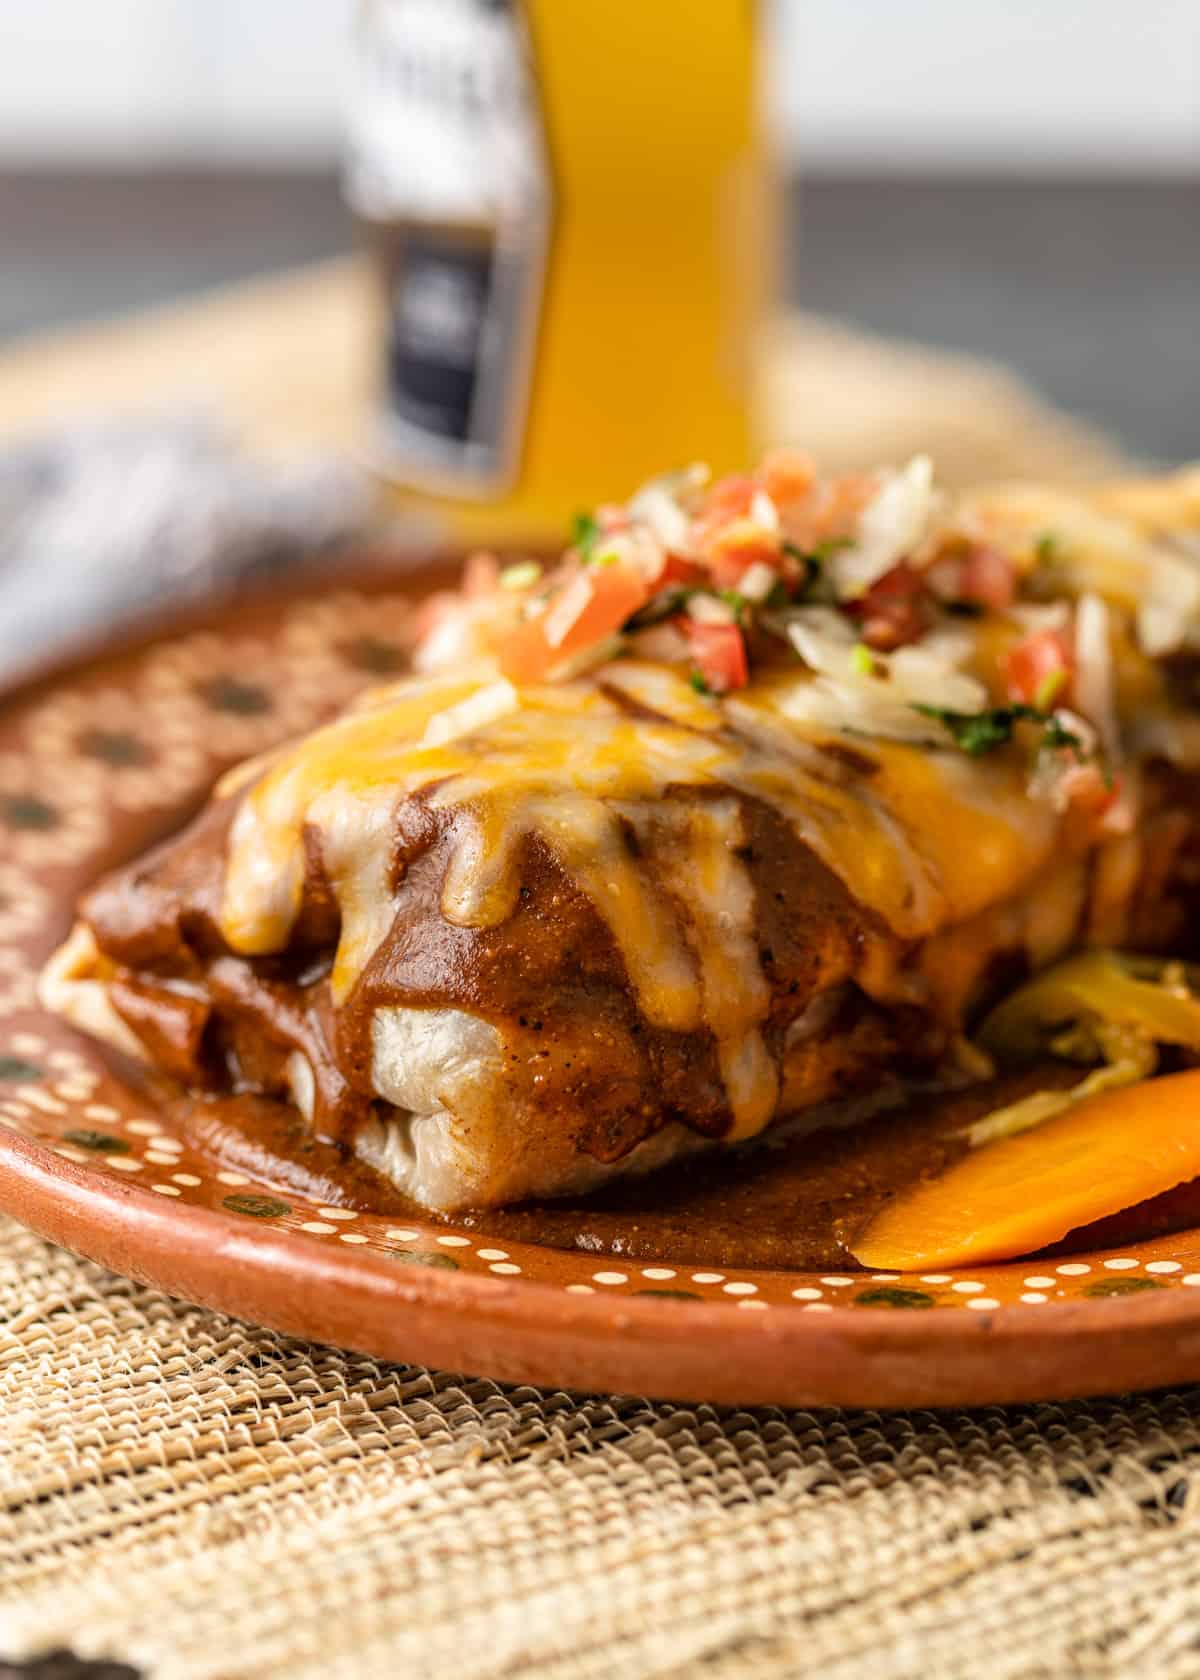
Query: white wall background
[1016,85]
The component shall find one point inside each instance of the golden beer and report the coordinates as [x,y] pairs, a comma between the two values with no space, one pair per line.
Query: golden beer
[567,205]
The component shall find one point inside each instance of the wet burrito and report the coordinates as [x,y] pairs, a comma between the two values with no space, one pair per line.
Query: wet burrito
[752,803]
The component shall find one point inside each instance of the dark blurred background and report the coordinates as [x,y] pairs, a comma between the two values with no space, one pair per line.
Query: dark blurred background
[1020,181]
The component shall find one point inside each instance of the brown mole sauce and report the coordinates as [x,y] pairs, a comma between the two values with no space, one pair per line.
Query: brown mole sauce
[788,1202]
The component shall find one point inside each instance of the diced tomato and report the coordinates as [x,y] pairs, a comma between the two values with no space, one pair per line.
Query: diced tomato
[590,606]
[734,550]
[678,570]
[730,496]
[1038,669]
[787,475]
[728,501]
[894,610]
[720,654]
[988,577]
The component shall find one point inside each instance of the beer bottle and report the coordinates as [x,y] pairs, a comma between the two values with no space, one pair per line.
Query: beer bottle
[566,204]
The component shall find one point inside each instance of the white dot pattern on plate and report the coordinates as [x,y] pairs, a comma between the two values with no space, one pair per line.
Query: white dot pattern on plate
[231,1178]
[1122,1263]
[659,1274]
[123,1164]
[337,1213]
[506,1268]
[983,1303]
[355,1237]
[455,1242]
[965,1286]
[188,1179]
[741,1289]
[708,1277]
[609,1277]
[395,1234]
[807,1293]
[1192,1280]
[486,1253]
[1073,1268]
[318,1227]
[936,1277]
[839,1282]
[1034,1297]
[1163,1266]
[1039,1282]
[166,1190]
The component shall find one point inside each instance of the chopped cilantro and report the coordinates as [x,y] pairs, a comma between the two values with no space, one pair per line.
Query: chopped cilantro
[698,683]
[585,533]
[779,596]
[862,659]
[1058,735]
[1047,548]
[814,560]
[734,599]
[978,732]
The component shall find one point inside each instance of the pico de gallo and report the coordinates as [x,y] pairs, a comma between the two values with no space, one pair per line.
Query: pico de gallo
[961,621]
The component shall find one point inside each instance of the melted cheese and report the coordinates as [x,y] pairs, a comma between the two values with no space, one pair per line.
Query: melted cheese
[924,840]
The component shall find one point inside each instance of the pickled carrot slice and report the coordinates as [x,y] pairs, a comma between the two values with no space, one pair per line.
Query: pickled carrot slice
[1028,1191]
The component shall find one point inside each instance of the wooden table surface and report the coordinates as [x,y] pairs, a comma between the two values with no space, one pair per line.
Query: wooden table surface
[1089,289]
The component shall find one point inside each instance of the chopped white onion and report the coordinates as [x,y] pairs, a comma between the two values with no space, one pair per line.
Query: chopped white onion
[1094,693]
[708,609]
[1168,614]
[891,525]
[758,581]
[879,699]
[657,506]
[764,512]
[659,641]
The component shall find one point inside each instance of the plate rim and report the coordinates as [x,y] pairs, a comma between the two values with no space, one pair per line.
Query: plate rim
[854,1356]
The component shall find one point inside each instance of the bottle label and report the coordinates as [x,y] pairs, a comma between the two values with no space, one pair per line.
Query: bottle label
[448,165]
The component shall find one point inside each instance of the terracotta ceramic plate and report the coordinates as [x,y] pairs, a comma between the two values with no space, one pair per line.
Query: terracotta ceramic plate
[99,760]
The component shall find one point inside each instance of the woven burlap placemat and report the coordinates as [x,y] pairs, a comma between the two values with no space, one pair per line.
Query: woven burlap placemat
[198,1498]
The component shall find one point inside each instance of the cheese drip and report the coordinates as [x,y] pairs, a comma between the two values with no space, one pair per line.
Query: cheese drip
[920,838]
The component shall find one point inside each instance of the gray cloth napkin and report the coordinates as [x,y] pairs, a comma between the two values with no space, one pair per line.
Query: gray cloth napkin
[106,522]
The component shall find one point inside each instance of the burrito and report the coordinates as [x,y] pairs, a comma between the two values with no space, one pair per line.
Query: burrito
[750,803]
